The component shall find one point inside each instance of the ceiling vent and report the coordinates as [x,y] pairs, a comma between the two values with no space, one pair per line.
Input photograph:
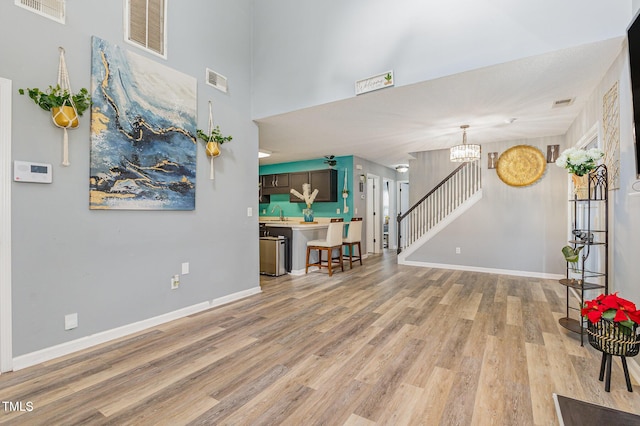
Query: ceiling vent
[216,80]
[52,9]
[563,102]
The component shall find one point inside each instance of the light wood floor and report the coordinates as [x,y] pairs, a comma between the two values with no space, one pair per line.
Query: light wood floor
[379,344]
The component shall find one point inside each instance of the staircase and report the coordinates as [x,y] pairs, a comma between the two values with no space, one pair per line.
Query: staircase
[446,201]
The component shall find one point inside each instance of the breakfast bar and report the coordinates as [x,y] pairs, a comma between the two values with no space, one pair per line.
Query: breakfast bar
[298,233]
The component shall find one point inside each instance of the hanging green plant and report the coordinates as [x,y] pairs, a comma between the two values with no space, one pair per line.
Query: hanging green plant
[56,97]
[215,136]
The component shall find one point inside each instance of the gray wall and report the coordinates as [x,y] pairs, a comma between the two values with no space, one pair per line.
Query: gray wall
[512,228]
[114,267]
[624,202]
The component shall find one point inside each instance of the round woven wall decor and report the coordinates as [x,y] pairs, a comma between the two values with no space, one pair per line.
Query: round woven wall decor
[521,165]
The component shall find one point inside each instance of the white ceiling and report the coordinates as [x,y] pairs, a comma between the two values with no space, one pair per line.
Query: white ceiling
[387,125]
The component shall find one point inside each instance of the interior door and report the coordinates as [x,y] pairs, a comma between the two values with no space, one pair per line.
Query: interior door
[374,218]
[6,352]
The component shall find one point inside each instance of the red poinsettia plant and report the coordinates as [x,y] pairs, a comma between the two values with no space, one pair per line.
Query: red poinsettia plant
[613,308]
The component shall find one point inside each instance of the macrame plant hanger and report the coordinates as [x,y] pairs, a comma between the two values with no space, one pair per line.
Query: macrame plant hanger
[345,194]
[65,118]
[213,149]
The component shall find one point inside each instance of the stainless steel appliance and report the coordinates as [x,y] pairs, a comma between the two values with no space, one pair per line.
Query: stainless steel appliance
[272,256]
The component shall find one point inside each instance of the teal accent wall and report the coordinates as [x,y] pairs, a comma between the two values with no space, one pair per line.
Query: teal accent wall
[320,209]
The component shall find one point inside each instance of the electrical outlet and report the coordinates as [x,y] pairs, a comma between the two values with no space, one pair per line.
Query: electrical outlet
[175,282]
[249,211]
[457,250]
[185,268]
[337,211]
[70,321]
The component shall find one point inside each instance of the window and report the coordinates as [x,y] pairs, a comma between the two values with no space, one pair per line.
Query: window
[52,9]
[145,22]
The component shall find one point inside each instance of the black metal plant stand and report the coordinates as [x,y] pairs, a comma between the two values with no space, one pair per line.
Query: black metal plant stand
[611,340]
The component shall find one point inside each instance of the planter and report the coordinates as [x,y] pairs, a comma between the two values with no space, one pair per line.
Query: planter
[213,149]
[581,186]
[65,116]
[308,215]
[612,339]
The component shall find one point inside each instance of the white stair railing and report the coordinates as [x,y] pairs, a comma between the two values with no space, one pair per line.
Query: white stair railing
[441,201]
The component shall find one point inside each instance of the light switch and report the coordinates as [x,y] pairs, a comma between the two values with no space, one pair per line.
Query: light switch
[185,268]
[249,211]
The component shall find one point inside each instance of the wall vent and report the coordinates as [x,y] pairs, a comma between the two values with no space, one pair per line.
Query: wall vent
[52,9]
[145,23]
[563,102]
[216,80]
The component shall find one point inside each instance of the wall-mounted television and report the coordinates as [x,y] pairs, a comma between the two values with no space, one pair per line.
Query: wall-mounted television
[633,36]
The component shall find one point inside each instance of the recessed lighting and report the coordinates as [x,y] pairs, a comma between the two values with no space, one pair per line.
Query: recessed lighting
[263,153]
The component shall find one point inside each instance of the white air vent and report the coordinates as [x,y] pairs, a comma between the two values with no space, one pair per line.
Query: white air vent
[145,23]
[563,102]
[52,9]
[216,80]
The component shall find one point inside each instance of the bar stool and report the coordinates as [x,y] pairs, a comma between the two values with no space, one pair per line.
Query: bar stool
[354,235]
[333,241]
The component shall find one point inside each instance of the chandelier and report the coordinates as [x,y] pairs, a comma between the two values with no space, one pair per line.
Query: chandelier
[464,152]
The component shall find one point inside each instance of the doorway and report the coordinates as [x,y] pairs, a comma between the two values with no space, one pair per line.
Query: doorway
[402,203]
[388,214]
[373,214]
[6,351]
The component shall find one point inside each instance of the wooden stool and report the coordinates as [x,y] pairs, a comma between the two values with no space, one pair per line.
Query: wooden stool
[333,242]
[354,234]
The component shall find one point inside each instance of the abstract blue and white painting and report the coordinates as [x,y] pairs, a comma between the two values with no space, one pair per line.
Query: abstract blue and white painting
[143,133]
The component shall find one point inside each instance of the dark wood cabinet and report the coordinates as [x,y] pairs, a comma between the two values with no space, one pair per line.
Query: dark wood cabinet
[296,180]
[325,181]
[275,184]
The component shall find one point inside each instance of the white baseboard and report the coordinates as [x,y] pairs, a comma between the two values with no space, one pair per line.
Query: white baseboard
[47,354]
[530,274]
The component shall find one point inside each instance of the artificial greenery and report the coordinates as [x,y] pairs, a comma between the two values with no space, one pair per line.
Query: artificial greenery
[55,97]
[614,309]
[215,136]
[571,255]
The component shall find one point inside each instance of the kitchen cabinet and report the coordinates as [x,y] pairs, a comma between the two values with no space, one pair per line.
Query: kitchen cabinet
[325,181]
[296,180]
[275,184]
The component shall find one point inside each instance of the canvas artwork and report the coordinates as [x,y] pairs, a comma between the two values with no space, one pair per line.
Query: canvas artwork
[143,133]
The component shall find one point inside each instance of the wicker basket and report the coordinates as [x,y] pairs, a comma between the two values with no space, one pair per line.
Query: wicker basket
[607,337]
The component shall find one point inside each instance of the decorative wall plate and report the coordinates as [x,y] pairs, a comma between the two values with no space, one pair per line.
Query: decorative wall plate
[521,165]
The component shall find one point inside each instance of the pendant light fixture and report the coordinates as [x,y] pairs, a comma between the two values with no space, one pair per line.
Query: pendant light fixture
[464,152]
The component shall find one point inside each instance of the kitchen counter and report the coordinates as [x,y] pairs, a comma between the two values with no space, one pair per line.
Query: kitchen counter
[293,224]
[299,234]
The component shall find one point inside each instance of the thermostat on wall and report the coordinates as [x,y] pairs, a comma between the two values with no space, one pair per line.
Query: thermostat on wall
[26,171]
